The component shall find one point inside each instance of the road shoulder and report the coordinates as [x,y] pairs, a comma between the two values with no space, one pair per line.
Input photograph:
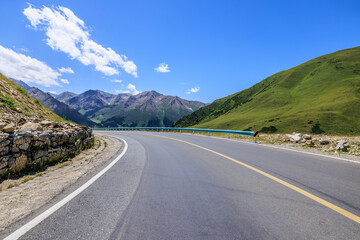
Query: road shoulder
[34,191]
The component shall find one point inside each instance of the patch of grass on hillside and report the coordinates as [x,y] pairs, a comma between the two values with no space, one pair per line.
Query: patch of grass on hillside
[8,102]
[37,102]
[23,91]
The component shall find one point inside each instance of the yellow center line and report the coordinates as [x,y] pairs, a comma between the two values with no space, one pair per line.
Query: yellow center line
[297,189]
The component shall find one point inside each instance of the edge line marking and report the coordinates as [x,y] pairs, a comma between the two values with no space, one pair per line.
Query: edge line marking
[28,226]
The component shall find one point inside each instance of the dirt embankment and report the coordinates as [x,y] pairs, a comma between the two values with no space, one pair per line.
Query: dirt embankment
[20,197]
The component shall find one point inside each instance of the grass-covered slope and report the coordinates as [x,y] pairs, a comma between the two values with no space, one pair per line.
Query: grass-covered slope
[14,98]
[321,95]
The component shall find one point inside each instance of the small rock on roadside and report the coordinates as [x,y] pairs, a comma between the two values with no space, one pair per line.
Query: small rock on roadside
[324,142]
[342,146]
[295,137]
[306,136]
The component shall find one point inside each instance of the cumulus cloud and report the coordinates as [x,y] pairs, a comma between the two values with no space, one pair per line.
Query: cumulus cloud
[116,80]
[21,67]
[65,81]
[66,70]
[67,33]
[193,90]
[122,91]
[130,89]
[163,67]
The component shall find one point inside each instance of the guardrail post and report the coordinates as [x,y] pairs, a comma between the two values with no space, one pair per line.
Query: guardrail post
[208,134]
[180,131]
[254,139]
[193,132]
[228,135]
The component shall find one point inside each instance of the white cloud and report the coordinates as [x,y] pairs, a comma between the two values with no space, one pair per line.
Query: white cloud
[21,67]
[193,90]
[65,81]
[116,80]
[122,91]
[52,92]
[66,70]
[130,89]
[67,33]
[163,67]
[24,50]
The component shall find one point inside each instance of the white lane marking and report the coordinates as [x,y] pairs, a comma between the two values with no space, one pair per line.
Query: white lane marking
[24,229]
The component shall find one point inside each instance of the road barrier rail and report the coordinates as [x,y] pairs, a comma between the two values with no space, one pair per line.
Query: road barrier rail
[245,133]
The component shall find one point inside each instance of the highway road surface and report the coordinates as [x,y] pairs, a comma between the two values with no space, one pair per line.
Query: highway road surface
[184,186]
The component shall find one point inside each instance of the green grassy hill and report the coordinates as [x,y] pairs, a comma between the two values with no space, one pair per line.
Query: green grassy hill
[321,95]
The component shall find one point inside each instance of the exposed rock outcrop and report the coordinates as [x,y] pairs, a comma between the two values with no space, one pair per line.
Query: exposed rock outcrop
[342,146]
[27,141]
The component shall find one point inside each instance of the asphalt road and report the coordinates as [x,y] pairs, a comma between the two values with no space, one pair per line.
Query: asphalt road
[165,187]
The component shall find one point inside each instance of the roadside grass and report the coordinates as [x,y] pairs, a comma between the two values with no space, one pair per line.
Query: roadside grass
[25,179]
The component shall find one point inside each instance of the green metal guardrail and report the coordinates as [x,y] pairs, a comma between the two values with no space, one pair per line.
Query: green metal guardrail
[246,133]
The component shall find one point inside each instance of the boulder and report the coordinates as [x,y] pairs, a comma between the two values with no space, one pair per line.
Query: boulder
[9,128]
[324,142]
[307,136]
[295,137]
[31,126]
[342,146]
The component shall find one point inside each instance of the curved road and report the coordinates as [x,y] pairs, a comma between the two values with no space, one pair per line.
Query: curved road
[183,186]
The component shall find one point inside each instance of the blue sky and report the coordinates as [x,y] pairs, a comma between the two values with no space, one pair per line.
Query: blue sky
[210,49]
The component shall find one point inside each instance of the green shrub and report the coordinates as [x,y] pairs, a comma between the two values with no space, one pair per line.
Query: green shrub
[23,91]
[316,129]
[25,179]
[38,102]
[9,102]
[270,129]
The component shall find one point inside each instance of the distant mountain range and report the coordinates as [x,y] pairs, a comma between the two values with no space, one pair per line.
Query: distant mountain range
[98,108]
[321,95]
[61,109]
[145,109]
